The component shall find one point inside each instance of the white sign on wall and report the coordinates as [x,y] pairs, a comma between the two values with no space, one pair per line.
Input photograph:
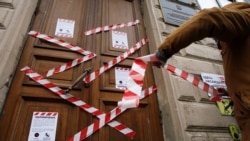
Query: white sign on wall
[175,13]
[119,40]
[43,126]
[223,3]
[207,3]
[121,77]
[215,80]
[65,28]
[190,2]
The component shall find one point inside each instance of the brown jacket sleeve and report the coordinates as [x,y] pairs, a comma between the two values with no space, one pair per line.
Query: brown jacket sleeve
[225,24]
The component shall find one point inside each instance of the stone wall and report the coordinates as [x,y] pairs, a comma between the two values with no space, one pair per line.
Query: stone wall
[15,18]
[187,113]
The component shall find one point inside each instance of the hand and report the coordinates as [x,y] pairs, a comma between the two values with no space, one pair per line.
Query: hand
[156,62]
[162,56]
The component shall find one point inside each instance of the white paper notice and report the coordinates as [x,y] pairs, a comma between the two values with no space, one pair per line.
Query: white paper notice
[215,80]
[43,126]
[65,28]
[119,40]
[121,77]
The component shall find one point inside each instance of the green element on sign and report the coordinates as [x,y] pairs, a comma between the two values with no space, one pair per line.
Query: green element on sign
[234,132]
[224,107]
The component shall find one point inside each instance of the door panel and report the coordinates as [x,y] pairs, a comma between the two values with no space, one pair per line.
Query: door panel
[27,96]
[65,118]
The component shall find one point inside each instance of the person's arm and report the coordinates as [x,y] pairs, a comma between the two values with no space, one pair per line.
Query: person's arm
[225,24]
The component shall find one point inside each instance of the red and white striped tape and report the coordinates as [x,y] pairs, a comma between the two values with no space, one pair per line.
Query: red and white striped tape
[58,69]
[106,118]
[66,20]
[213,93]
[135,80]
[59,42]
[120,47]
[110,27]
[114,61]
[133,93]
[64,35]
[137,75]
[69,65]
[74,100]
[47,114]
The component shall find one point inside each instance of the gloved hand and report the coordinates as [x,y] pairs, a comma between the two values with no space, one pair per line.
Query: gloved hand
[162,55]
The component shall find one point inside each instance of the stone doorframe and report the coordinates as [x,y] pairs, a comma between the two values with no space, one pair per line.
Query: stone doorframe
[184,108]
[15,18]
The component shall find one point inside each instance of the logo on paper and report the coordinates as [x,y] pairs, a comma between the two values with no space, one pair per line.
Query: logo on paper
[36,135]
[47,135]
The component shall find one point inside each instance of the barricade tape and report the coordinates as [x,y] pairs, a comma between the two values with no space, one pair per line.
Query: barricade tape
[69,65]
[132,92]
[58,69]
[77,102]
[106,118]
[86,132]
[59,42]
[140,64]
[134,86]
[114,61]
[212,93]
[110,27]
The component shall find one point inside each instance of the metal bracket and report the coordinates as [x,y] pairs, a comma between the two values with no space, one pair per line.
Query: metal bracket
[225,107]
[234,132]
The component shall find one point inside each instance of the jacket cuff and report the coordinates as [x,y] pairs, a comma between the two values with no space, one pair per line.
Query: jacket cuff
[162,55]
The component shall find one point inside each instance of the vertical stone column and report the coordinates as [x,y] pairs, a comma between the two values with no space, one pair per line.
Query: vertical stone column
[187,113]
[15,17]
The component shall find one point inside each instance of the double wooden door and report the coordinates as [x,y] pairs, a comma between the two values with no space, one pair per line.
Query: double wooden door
[27,96]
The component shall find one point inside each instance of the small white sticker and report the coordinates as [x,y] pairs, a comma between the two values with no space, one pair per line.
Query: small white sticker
[121,77]
[65,28]
[119,40]
[43,126]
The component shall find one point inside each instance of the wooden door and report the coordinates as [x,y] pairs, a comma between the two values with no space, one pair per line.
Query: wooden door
[27,96]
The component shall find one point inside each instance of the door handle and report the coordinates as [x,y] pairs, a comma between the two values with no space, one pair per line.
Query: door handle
[85,72]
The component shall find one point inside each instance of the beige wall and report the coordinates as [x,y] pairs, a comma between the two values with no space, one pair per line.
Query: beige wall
[186,111]
[15,17]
